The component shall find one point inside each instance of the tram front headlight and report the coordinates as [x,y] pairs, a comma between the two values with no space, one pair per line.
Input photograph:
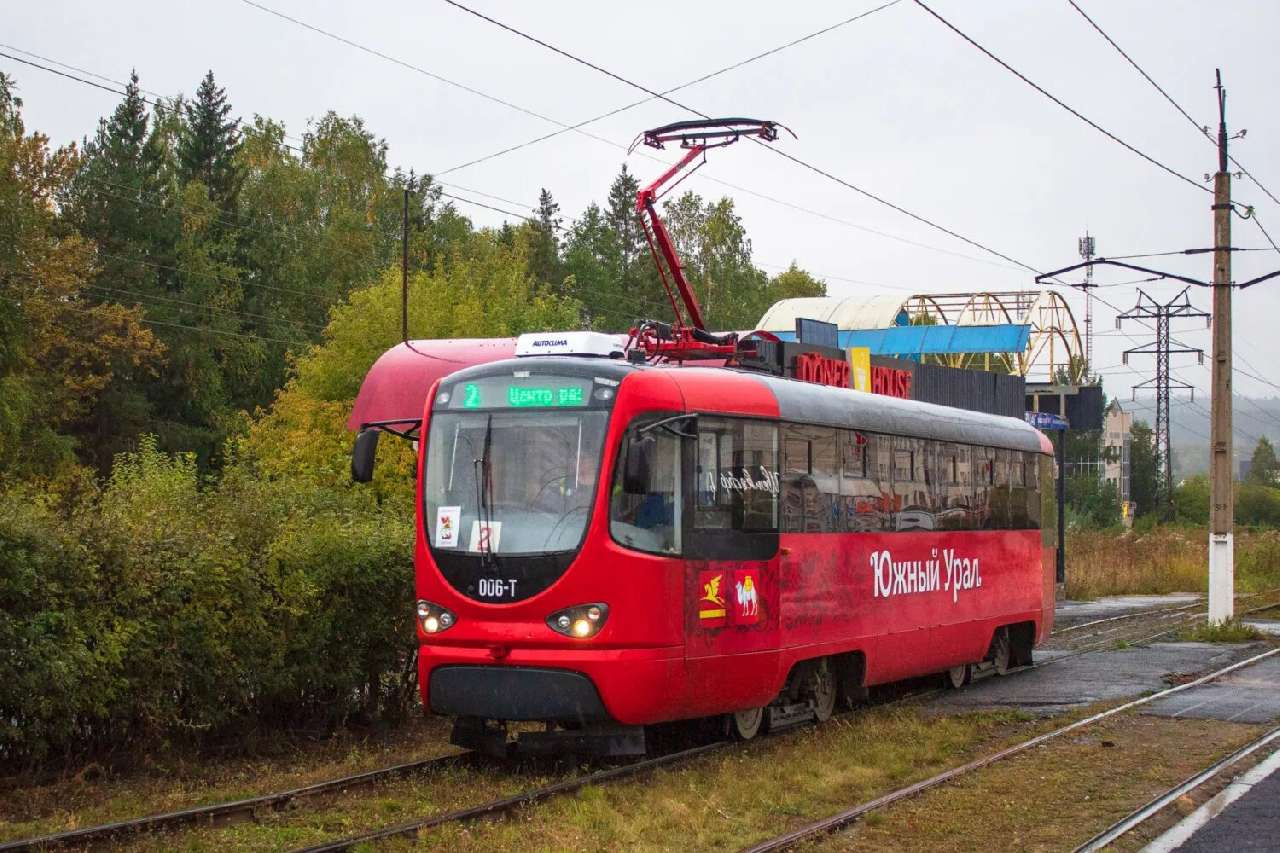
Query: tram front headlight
[581,622]
[433,618]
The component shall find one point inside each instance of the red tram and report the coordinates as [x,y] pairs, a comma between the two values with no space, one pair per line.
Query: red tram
[610,535]
[605,545]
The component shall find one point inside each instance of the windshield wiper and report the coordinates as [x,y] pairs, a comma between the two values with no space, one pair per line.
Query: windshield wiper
[484,494]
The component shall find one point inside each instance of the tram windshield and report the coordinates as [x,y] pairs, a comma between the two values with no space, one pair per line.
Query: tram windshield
[512,481]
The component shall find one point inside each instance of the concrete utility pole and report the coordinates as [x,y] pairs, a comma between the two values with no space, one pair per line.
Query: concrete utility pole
[1221,498]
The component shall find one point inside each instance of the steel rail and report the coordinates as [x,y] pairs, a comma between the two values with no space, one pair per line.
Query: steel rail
[515,801]
[410,829]
[1157,610]
[220,812]
[1142,815]
[844,818]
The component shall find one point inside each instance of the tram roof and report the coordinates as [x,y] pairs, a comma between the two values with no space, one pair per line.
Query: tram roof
[399,381]
[847,408]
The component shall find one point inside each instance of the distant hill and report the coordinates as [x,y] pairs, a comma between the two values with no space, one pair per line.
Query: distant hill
[1253,417]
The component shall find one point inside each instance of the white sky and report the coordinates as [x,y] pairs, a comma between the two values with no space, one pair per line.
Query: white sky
[894,103]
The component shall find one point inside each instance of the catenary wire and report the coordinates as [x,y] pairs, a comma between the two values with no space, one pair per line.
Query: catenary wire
[1201,129]
[776,151]
[154,103]
[1006,66]
[622,147]
[204,329]
[705,77]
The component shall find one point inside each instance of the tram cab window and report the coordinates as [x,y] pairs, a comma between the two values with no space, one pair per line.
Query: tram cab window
[645,505]
[810,490]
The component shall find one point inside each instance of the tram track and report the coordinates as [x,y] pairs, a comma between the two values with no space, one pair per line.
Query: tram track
[512,803]
[845,818]
[218,813]
[1196,608]
[247,808]
[1151,809]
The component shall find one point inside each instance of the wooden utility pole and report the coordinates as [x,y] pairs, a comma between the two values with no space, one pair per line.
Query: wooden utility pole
[1221,517]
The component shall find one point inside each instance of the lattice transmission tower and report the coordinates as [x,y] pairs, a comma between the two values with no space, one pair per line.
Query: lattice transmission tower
[1161,313]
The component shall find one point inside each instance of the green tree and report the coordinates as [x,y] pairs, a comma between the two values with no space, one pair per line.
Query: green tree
[60,348]
[794,283]
[1191,500]
[1264,469]
[545,262]
[716,255]
[1143,480]
[209,142]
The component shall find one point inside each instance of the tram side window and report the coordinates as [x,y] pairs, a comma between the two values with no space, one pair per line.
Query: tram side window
[1001,499]
[810,485]
[864,488]
[910,489]
[954,492]
[1018,518]
[983,486]
[1031,463]
[737,479]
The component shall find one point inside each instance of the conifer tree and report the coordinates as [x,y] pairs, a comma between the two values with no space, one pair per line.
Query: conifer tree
[208,144]
[544,261]
[620,213]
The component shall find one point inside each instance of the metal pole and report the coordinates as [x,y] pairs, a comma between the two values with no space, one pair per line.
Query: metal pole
[404,269]
[1062,507]
[1221,499]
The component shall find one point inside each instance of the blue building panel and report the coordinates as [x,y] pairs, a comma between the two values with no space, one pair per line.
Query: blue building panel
[908,341]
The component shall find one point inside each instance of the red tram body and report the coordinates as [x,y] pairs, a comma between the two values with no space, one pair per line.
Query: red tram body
[603,545]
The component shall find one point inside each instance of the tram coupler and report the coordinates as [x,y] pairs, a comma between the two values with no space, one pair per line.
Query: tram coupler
[483,736]
[488,737]
[598,741]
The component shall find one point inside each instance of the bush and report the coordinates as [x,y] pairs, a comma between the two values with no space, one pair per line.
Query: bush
[158,610]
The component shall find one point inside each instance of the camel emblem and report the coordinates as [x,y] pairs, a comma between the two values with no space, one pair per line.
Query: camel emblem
[748,603]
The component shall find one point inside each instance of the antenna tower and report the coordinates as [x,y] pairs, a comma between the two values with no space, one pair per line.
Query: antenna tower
[1087,251]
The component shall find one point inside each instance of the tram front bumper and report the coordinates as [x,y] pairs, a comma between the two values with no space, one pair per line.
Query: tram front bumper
[627,686]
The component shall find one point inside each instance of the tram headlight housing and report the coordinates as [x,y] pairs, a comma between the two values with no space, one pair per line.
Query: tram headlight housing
[580,622]
[434,619]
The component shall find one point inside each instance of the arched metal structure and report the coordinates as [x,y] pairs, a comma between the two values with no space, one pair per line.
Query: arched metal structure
[1054,346]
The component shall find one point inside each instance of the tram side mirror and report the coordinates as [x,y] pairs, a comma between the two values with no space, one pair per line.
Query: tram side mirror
[638,465]
[363,455]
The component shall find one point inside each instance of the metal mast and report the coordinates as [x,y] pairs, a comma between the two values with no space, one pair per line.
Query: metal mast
[1161,313]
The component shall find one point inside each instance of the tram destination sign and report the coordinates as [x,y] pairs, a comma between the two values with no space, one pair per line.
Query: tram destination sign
[534,392]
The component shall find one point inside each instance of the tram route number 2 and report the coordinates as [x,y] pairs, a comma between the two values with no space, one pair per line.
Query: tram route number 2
[496,588]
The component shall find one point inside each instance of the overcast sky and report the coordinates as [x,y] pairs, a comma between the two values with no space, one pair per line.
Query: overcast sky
[894,103]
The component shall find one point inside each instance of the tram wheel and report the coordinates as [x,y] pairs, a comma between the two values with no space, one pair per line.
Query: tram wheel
[1002,652]
[822,689]
[744,725]
[958,676]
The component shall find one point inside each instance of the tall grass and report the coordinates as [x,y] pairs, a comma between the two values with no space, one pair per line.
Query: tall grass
[1165,559]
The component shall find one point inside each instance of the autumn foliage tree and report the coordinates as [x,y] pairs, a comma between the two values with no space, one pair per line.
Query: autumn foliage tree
[61,348]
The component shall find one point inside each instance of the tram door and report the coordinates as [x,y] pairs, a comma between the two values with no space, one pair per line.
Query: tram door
[732,580]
